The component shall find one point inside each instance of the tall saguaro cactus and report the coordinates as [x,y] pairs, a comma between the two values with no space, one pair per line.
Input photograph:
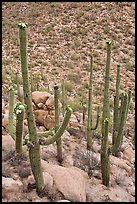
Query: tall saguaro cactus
[89,122]
[105,121]
[34,151]
[59,143]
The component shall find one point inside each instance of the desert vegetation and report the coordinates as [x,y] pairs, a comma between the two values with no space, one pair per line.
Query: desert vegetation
[68,101]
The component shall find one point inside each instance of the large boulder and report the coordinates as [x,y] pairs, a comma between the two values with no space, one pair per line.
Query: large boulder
[69,181]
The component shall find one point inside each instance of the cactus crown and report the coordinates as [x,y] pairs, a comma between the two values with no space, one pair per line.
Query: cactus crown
[22,25]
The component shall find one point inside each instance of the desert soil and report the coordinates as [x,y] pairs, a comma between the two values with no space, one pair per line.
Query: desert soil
[61,36]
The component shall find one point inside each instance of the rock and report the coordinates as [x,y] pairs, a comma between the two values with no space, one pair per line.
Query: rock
[48,180]
[120,163]
[10,185]
[68,181]
[63,201]
[50,103]
[5,122]
[49,121]
[129,154]
[8,144]
[10,188]
[40,97]
[40,116]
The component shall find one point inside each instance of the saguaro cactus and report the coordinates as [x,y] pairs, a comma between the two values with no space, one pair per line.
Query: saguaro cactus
[12,129]
[34,141]
[116,106]
[34,151]
[105,121]
[89,122]
[19,110]
[120,115]
[59,143]
[122,120]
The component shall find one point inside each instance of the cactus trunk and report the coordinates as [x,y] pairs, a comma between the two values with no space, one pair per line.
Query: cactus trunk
[20,109]
[116,107]
[105,117]
[58,142]
[12,129]
[34,152]
[89,122]
[105,164]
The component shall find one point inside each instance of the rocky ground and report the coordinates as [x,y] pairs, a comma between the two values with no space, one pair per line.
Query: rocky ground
[61,37]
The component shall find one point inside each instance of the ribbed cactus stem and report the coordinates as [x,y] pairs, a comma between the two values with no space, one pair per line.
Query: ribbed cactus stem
[116,106]
[105,164]
[106,87]
[63,97]
[19,110]
[97,121]
[89,122]
[34,152]
[58,142]
[12,128]
[116,147]
[105,119]
[61,129]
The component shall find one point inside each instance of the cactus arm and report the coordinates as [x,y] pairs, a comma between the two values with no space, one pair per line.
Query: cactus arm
[12,128]
[34,153]
[115,148]
[61,129]
[105,165]
[97,121]
[58,142]
[19,109]
[116,106]
[89,122]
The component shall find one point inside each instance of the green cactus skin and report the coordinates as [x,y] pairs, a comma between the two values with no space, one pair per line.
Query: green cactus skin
[106,114]
[116,147]
[89,122]
[105,163]
[34,152]
[63,97]
[61,129]
[19,110]
[12,128]
[116,106]
[58,142]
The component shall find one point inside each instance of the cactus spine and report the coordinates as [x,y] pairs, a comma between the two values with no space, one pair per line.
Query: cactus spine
[19,109]
[58,142]
[12,129]
[34,151]
[89,122]
[105,121]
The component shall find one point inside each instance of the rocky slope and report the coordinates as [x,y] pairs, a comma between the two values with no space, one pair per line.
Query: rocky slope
[61,37]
